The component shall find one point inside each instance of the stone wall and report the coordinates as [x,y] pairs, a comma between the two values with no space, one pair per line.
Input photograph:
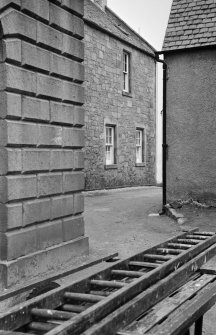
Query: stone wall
[191,125]
[105,103]
[41,137]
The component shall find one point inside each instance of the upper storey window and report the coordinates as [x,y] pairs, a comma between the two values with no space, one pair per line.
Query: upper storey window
[126,72]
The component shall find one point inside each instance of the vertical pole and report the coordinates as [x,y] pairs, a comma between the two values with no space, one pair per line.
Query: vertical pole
[198,326]
[164,152]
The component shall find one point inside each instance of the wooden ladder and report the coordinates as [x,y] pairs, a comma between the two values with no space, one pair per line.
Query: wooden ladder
[112,298]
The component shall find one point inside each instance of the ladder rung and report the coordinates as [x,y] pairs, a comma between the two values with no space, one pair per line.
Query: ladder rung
[196,237]
[180,246]
[204,233]
[52,314]
[157,257]
[125,273]
[73,308]
[83,297]
[44,326]
[144,264]
[102,293]
[107,283]
[169,251]
[187,241]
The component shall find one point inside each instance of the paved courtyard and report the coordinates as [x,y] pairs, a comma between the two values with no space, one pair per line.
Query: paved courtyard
[124,220]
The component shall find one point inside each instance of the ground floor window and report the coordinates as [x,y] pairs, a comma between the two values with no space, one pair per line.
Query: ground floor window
[110,144]
[140,145]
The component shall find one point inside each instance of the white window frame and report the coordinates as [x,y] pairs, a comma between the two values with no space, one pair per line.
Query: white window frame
[140,145]
[126,71]
[109,144]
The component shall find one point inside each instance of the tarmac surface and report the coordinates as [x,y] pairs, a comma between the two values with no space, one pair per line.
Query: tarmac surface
[127,221]
[124,220]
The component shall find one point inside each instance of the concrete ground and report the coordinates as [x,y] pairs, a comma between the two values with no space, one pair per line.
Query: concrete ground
[119,220]
[126,221]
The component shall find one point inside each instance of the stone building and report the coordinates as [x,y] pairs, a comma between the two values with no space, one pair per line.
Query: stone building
[41,137]
[190,51]
[120,121]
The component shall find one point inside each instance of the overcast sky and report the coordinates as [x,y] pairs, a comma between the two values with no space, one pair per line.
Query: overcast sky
[147,17]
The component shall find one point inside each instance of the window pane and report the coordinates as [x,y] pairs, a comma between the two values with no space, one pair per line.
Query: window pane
[139,146]
[109,148]
[126,74]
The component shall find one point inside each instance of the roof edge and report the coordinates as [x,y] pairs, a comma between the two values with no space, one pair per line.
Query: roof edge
[95,25]
[200,47]
[134,32]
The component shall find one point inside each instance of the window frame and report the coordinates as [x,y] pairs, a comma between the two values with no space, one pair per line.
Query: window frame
[126,72]
[142,145]
[110,163]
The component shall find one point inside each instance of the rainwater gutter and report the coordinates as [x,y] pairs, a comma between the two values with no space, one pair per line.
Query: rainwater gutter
[164,140]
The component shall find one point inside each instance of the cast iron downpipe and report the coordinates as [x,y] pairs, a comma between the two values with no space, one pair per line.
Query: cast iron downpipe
[164,144]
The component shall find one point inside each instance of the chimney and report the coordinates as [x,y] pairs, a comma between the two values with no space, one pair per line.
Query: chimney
[100,3]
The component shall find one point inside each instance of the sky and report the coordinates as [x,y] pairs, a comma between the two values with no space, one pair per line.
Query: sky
[149,18]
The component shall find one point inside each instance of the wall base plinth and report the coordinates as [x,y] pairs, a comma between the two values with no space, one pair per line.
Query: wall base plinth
[40,263]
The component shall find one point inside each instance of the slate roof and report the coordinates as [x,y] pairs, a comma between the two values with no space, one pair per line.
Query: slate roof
[110,22]
[192,24]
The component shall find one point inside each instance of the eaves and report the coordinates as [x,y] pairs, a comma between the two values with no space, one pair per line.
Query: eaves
[98,27]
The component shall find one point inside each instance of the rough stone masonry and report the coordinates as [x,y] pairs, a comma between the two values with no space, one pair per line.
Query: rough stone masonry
[41,137]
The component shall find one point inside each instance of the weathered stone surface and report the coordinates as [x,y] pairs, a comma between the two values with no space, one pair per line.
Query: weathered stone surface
[17,79]
[18,133]
[35,109]
[49,234]
[17,187]
[49,37]
[40,90]
[61,113]
[65,67]
[10,160]
[73,137]
[73,227]
[35,160]
[11,50]
[66,21]
[50,135]
[106,104]
[36,211]
[78,160]
[75,6]
[10,105]
[39,8]
[14,22]
[73,181]
[62,206]
[51,259]
[5,3]
[36,57]
[72,47]
[49,183]
[11,216]
[72,92]
[62,160]
[78,203]
[49,87]
[17,243]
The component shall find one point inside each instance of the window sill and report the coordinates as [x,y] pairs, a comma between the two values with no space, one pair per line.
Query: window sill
[127,94]
[140,164]
[111,166]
